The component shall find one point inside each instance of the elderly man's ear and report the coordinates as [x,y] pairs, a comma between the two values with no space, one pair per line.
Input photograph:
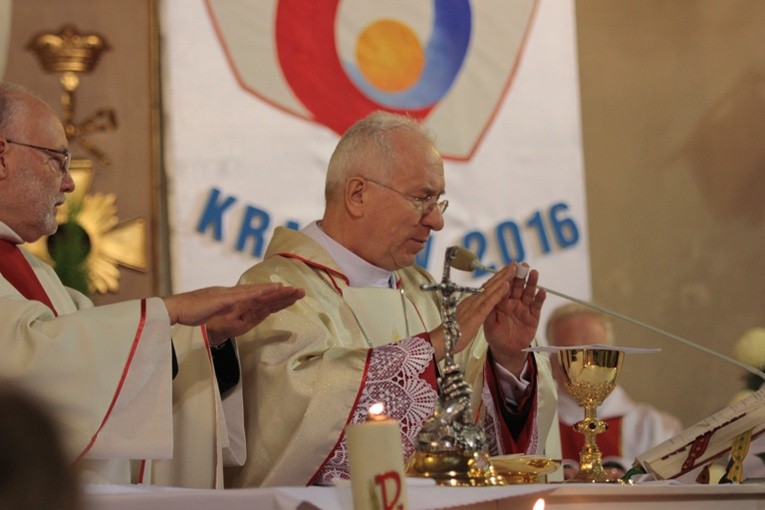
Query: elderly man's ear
[355,196]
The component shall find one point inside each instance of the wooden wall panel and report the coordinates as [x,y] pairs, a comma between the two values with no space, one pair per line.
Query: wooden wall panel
[122,81]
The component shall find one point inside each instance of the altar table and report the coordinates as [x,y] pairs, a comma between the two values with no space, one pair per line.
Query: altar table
[654,495]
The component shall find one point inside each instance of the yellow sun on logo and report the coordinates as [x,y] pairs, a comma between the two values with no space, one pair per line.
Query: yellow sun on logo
[109,245]
[390,55]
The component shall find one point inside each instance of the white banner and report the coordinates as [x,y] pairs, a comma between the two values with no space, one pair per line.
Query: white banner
[257,93]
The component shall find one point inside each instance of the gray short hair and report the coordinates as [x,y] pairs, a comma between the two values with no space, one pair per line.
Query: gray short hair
[365,149]
[10,93]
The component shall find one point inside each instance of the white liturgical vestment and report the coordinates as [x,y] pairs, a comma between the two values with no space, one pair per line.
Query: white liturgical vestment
[106,375]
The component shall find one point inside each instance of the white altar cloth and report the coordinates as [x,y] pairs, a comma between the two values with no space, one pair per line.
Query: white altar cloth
[653,495]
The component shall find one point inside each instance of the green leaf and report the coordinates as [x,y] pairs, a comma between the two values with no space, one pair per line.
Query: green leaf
[69,248]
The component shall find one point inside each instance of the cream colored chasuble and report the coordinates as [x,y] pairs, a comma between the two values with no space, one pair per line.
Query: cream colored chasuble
[384,315]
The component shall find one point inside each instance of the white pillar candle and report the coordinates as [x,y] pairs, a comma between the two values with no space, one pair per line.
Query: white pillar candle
[376,463]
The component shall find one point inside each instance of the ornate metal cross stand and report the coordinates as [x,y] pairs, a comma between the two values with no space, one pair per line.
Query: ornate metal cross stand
[451,448]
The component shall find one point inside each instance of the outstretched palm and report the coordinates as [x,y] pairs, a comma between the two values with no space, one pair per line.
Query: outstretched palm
[512,324]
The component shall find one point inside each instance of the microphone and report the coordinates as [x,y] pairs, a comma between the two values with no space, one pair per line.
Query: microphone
[465,260]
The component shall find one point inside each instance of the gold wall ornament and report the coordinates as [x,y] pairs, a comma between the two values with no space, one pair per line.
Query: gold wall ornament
[89,244]
[107,243]
[70,53]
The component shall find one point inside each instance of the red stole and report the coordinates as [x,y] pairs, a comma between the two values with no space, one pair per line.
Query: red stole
[609,442]
[16,269]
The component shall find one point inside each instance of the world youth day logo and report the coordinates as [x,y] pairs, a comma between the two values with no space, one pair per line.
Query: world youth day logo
[448,63]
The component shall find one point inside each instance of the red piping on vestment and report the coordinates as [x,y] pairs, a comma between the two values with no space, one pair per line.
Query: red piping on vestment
[141,471]
[477,414]
[330,272]
[121,383]
[350,415]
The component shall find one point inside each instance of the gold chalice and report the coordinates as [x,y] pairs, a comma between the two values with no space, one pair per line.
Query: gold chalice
[590,376]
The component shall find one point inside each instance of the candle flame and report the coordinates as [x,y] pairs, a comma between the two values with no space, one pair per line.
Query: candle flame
[539,505]
[377,411]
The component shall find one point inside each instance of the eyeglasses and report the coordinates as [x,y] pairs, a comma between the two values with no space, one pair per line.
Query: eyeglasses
[423,204]
[62,157]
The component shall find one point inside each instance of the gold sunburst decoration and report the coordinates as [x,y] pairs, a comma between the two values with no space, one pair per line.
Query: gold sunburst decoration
[109,244]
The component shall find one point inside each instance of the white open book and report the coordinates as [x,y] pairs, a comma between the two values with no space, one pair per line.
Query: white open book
[706,440]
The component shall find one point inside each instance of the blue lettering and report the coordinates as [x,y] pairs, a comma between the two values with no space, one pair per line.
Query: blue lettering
[213,214]
[510,229]
[566,231]
[254,225]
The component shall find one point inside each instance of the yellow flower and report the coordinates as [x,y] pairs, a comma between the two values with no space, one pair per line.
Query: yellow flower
[750,348]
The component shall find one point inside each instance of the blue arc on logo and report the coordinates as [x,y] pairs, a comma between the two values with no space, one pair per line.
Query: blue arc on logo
[444,56]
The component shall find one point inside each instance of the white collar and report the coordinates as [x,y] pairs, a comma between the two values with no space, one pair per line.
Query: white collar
[360,273]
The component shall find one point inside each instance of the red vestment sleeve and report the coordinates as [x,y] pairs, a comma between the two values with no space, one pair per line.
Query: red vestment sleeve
[609,441]
[516,425]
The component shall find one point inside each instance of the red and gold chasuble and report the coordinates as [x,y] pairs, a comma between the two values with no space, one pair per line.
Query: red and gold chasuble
[401,373]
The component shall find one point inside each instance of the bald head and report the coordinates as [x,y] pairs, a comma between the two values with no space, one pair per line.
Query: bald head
[573,324]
